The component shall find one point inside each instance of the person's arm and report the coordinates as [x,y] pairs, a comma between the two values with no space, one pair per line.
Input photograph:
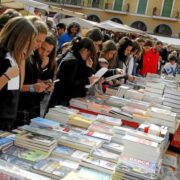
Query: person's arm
[8,75]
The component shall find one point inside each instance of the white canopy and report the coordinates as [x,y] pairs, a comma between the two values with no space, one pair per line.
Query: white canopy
[82,22]
[168,40]
[34,4]
[116,27]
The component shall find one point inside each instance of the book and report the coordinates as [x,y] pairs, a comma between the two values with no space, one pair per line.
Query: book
[109,120]
[23,153]
[75,175]
[137,168]
[99,135]
[94,174]
[99,164]
[17,161]
[80,121]
[85,143]
[104,154]
[55,167]
[10,171]
[69,153]
[113,147]
[36,139]
[98,75]
[41,122]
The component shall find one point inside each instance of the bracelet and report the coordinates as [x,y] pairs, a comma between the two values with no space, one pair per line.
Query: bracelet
[7,76]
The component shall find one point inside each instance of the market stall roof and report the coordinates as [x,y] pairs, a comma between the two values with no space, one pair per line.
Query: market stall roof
[12,4]
[66,12]
[168,40]
[116,27]
[82,22]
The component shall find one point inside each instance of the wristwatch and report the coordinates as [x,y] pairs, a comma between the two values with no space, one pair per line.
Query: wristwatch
[31,88]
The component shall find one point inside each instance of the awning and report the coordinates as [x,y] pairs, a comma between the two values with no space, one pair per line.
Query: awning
[116,27]
[168,40]
[66,12]
[82,22]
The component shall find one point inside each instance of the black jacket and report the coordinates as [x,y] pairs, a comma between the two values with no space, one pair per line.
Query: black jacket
[8,98]
[73,74]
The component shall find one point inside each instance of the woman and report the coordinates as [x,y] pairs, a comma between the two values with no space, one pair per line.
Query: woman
[17,40]
[28,107]
[74,72]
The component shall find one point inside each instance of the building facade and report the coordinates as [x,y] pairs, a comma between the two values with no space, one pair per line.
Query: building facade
[161,17]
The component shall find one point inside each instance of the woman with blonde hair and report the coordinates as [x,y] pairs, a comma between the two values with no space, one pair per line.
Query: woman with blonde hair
[17,41]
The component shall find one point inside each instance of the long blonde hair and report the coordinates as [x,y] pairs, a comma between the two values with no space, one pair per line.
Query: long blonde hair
[15,35]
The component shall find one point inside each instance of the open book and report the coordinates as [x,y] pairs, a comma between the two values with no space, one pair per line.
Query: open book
[98,74]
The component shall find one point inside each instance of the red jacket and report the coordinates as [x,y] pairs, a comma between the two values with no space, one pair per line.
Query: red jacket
[150,62]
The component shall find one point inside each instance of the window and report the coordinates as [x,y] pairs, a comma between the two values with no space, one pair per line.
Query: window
[93,18]
[163,29]
[117,20]
[98,3]
[142,6]
[118,5]
[139,25]
[167,8]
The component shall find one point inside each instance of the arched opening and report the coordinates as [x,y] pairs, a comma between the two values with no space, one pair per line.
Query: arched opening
[93,18]
[163,30]
[139,25]
[117,20]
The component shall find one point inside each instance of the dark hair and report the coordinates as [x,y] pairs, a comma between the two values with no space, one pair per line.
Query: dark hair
[172,57]
[159,43]
[51,39]
[136,46]
[71,25]
[139,40]
[61,26]
[7,16]
[148,43]
[123,44]
[79,43]
[94,34]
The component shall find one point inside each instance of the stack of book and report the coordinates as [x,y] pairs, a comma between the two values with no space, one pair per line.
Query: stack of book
[36,141]
[24,153]
[81,103]
[55,168]
[113,147]
[163,117]
[133,94]
[118,134]
[116,101]
[111,91]
[109,120]
[101,127]
[141,148]
[60,114]
[80,121]
[5,143]
[154,88]
[172,99]
[134,168]
[99,164]
[122,91]
[104,154]
[11,171]
[85,143]
[69,153]
[44,123]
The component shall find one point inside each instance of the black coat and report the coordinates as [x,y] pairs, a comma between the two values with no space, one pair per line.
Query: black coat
[8,98]
[73,74]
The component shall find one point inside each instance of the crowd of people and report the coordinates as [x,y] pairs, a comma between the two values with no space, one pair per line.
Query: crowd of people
[35,61]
